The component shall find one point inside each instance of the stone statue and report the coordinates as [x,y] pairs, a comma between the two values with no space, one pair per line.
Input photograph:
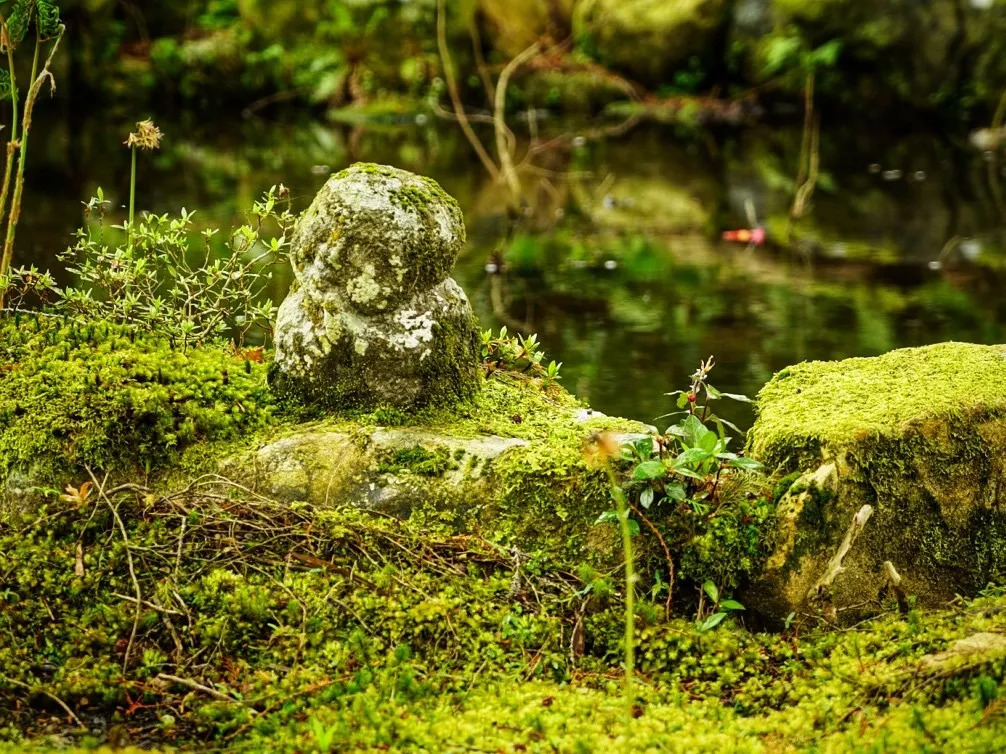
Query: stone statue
[373,318]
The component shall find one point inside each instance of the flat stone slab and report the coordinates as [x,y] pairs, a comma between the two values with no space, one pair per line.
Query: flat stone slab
[512,468]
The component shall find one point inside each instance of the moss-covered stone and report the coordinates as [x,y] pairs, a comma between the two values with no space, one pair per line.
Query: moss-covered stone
[114,399]
[509,466]
[648,39]
[373,318]
[919,435]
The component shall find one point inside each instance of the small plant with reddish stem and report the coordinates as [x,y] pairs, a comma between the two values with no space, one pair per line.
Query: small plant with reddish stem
[674,484]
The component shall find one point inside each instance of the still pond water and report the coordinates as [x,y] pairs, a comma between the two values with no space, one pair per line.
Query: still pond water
[618,264]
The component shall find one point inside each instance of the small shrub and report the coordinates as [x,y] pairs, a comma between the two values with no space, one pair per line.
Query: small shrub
[154,275]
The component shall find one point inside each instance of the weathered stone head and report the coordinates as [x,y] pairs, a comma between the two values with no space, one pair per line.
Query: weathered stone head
[373,318]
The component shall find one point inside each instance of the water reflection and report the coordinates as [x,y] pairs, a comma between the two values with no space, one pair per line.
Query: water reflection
[617,263]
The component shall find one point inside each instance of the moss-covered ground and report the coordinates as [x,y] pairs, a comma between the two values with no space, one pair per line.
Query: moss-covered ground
[215,620]
[116,399]
[186,612]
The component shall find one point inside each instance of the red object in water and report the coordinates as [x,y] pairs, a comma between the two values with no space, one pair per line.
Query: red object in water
[754,236]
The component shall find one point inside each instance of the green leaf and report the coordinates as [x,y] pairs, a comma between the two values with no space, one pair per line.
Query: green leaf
[781,52]
[713,393]
[48,19]
[692,457]
[746,464]
[675,491]
[731,605]
[737,397]
[826,54]
[649,470]
[644,447]
[712,621]
[646,498]
[706,440]
[692,427]
[723,422]
[608,517]
[710,588]
[686,472]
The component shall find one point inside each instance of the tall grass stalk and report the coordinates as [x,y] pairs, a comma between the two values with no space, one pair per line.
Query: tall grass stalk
[18,142]
[29,105]
[12,142]
[132,199]
[607,449]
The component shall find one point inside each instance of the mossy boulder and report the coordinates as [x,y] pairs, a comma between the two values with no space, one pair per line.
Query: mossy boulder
[514,25]
[648,39]
[510,467]
[919,435]
[372,318]
[112,399]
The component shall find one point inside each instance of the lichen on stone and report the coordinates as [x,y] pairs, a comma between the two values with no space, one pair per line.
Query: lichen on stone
[373,318]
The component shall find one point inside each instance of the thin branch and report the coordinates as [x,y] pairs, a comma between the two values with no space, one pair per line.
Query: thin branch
[129,559]
[480,61]
[29,107]
[196,686]
[667,557]
[503,152]
[60,702]
[452,90]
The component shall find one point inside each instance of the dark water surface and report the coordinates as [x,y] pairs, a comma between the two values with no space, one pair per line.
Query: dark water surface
[618,265]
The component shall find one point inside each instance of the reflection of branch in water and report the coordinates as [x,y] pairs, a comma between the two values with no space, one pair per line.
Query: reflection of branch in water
[810,154]
[500,299]
[993,173]
[503,150]
[452,90]
[506,166]
[997,119]
[480,61]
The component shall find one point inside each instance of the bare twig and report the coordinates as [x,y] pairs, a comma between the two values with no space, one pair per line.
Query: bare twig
[60,702]
[196,686]
[129,560]
[667,557]
[452,90]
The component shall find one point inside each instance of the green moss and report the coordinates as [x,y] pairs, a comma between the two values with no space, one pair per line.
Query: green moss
[811,406]
[918,435]
[418,460]
[731,546]
[386,636]
[116,399]
[784,485]
[417,198]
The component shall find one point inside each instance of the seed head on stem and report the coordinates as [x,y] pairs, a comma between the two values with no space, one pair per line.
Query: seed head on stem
[147,136]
